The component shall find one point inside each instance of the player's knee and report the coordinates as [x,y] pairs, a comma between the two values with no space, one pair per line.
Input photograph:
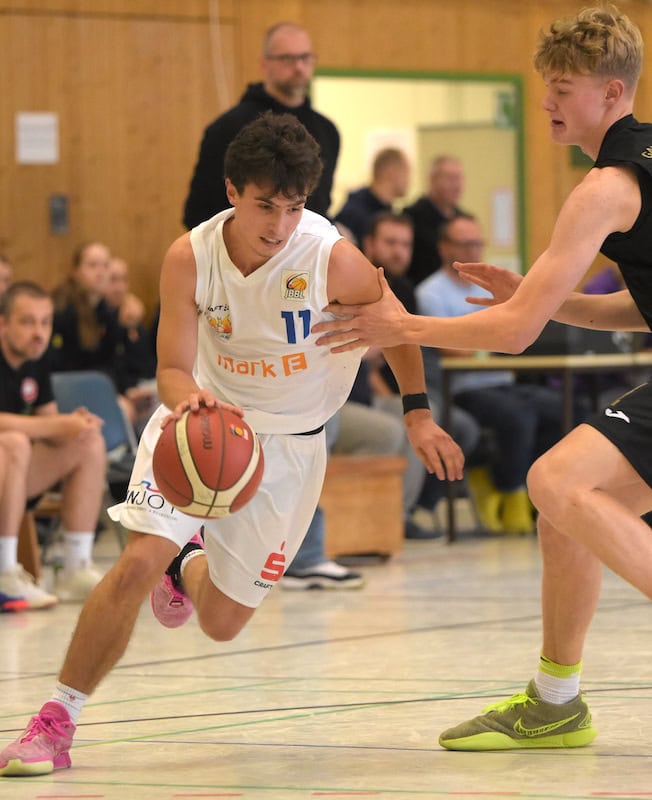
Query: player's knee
[220,628]
[543,484]
[551,489]
[141,564]
[221,618]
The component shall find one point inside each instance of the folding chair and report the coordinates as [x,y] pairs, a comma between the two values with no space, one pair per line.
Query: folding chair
[95,391]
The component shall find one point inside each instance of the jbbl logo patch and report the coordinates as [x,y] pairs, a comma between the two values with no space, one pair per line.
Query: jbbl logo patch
[294,285]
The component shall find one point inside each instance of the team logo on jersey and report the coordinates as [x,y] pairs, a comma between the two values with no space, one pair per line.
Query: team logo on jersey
[647,153]
[221,324]
[29,390]
[294,285]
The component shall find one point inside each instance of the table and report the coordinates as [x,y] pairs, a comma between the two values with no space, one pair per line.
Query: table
[564,365]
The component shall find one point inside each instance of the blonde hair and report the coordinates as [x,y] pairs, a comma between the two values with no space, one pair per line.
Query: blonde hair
[598,41]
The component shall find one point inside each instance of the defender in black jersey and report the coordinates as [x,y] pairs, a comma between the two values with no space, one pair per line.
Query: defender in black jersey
[591,488]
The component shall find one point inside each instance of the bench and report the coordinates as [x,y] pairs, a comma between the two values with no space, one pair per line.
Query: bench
[362,499]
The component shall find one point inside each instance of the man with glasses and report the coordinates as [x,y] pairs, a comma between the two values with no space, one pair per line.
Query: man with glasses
[524,419]
[287,64]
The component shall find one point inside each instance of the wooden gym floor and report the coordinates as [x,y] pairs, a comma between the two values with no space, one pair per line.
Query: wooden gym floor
[343,695]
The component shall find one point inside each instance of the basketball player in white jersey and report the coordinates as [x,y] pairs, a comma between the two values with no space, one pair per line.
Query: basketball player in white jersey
[239,295]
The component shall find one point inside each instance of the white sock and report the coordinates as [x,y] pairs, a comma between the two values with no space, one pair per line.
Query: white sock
[8,553]
[198,551]
[557,683]
[77,550]
[71,699]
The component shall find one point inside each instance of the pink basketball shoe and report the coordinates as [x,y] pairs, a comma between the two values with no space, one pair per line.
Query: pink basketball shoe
[171,605]
[43,746]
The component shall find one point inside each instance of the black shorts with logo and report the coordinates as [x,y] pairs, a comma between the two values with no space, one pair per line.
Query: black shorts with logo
[627,423]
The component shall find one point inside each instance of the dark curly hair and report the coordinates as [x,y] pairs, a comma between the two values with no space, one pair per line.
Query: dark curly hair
[274,150]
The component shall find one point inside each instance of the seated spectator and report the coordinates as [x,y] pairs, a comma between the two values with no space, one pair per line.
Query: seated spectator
[6,274]
[524,419]
[137,375]
[85,329]
[44,448]
[389,182]
[86,334]
[389,245]
[428,212]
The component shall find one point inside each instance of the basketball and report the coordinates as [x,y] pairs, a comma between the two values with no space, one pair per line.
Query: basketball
[208,463]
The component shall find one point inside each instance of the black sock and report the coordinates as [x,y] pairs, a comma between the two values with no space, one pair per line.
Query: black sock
[174,570]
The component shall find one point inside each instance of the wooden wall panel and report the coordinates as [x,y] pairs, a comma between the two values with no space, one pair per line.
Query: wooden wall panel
[135,81]
[131,8]
[133,95]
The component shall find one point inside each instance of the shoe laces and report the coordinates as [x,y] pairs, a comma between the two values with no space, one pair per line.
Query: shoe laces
[47,725]
[520,699]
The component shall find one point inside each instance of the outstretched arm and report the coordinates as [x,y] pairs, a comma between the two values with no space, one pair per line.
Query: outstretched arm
[609,312]
[607,200]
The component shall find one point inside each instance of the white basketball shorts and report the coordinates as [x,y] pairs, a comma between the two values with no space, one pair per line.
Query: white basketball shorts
[247,551]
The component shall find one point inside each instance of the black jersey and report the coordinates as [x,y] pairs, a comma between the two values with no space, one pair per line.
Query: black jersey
[24,389]
[629,143]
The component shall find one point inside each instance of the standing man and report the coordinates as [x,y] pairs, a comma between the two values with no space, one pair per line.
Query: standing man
[268,268]
[441,203]
[590,488]
[287,65]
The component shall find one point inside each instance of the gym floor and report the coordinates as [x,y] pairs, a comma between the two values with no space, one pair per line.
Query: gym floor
[343,694]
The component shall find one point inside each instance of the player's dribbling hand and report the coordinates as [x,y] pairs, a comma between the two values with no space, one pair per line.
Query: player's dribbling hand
[501,282]
[195,401]
[379,324]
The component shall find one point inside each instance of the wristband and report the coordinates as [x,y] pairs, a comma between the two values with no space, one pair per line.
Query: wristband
[413,401]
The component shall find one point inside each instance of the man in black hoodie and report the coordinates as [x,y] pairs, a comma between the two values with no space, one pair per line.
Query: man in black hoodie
[287,64]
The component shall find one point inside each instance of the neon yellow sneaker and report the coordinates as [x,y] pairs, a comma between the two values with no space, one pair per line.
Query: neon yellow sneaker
[516,513]
[486,498]
[525,720]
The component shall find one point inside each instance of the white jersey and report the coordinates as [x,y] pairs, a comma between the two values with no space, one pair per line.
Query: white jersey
[254,345]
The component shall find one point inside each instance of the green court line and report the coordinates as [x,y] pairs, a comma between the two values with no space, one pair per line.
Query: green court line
[240,724]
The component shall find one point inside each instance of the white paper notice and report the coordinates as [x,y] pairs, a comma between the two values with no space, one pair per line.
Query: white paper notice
[37,137]
[502,217]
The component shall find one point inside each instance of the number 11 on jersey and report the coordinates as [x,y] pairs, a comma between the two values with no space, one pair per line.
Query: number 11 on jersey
[297,320]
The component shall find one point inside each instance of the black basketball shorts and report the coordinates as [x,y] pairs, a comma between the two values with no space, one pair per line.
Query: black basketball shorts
[627,423]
